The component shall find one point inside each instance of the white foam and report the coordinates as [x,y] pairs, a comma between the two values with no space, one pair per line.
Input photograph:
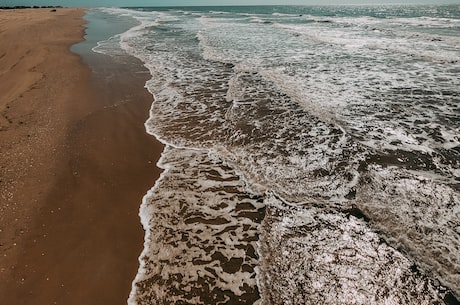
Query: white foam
[418,215]
[110,46]
[332,258]
[198,233]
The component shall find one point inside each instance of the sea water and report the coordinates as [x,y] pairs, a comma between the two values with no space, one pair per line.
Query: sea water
[312,153]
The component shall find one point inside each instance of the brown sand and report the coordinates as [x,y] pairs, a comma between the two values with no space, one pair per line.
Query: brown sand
[75,162]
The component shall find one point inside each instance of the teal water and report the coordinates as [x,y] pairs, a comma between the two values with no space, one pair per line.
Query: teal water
[312,153]
[378,11]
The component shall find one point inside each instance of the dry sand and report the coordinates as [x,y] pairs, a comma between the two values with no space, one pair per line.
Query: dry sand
[75,162]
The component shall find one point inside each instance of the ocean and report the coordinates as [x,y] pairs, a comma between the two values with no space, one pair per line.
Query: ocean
[312,153]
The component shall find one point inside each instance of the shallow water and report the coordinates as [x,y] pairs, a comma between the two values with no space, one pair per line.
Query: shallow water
[312,154]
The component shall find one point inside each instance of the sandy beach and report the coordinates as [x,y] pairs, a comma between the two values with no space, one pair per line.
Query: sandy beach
[75,162]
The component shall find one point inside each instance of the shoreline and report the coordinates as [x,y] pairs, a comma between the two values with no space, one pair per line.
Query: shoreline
[77,164]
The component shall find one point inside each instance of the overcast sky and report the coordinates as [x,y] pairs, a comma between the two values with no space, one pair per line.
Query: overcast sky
[208,2]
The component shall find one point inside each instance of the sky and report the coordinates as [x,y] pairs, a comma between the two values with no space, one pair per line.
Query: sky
[209,2]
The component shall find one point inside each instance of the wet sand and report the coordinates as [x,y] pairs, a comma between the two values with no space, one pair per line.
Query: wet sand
[75,162]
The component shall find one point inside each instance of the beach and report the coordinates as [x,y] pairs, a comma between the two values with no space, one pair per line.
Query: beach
[311,155]
[75,162]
